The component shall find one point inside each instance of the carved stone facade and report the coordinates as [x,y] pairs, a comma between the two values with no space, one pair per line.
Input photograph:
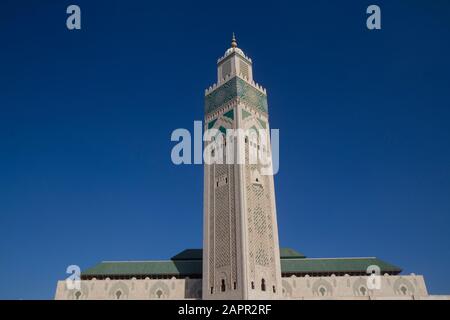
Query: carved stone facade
[410,287]
[241,257]
[354,287]
[132,289]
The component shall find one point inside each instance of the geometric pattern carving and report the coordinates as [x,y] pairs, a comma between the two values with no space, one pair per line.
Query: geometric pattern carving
[360,287]
[231,187]
[119,291]
[322,288]
[223,250]
[260,231]
[236,88]
[226,68]
[403,287]
[222,225]
[245,114]
[244,69]
[159,290]
[81,294]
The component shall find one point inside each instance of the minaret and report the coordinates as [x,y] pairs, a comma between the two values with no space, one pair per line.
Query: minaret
[241,258]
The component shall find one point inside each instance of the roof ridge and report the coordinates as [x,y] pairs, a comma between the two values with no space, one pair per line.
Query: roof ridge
[170,260]
[346,258]
[128,261]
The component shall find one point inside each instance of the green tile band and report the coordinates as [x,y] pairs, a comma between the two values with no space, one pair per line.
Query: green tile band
[235,88]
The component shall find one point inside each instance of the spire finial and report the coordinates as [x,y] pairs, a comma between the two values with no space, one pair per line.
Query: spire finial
[233,41]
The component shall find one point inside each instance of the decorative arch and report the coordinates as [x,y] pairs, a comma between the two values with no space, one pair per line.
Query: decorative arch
[119,291]
[79,294]
[322,288]
[159,290]
[360,287]
[403,287]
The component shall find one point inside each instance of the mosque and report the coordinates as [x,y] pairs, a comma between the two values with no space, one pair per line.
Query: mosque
[241,257]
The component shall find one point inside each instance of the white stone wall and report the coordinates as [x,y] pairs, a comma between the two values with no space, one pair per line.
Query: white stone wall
[240,224]
[132,289]
[354,287]
[307,288]
[261,230]
[222,240]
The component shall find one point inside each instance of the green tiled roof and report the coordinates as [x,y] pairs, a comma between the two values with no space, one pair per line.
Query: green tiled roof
[335,265]
[189,263]
[169,267]
[288,253]
[188,254]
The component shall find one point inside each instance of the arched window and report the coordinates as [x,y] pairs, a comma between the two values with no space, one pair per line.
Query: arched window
[363,290]
[222,286]
[118,294]
[77,295]
[274,290]
[159,293]
[253,285]
[263,285]
[322,291]
[404,290]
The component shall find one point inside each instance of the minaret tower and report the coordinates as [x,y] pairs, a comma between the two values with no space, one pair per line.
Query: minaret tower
[241,258]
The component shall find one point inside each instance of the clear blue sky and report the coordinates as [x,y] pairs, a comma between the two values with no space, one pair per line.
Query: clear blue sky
[86,119]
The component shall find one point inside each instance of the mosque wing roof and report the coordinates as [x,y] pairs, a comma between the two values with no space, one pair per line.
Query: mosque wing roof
[188,254]
[145,268]
[288,253]
[335,265]
[188,263]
